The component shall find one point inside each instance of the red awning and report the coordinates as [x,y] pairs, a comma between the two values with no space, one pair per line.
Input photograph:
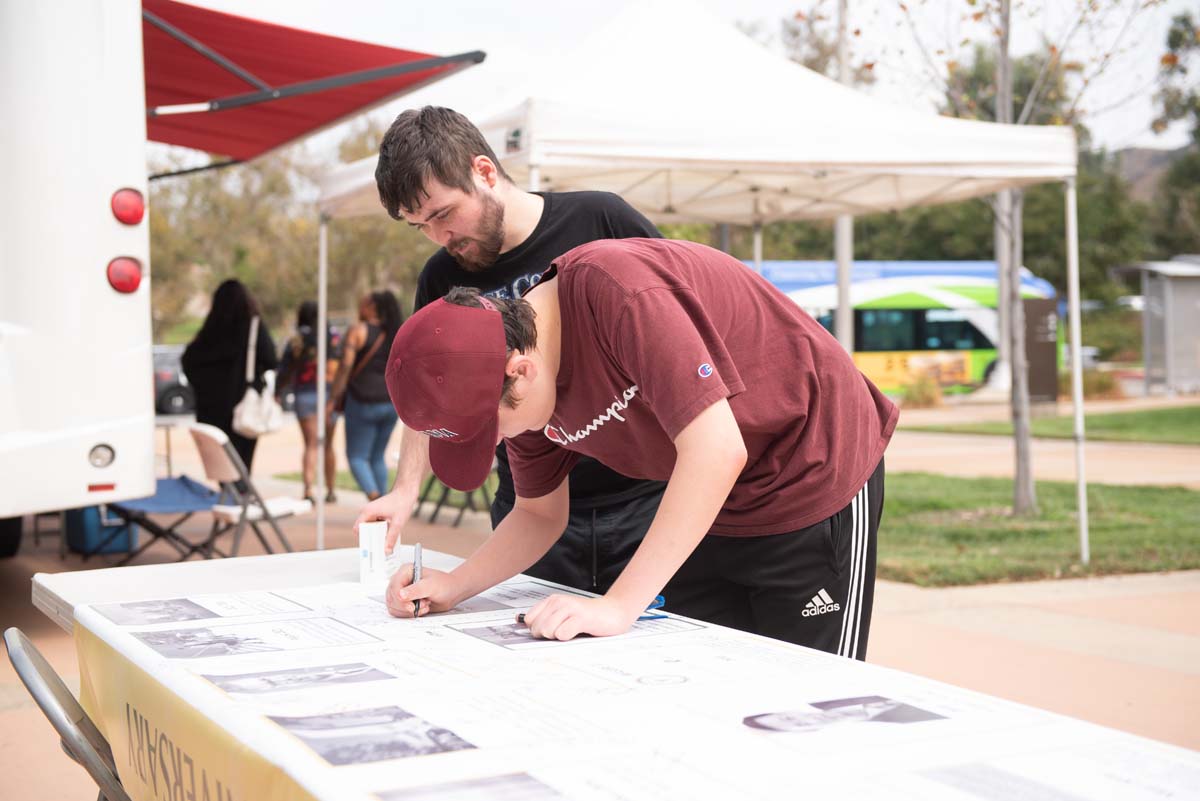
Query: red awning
[258,60]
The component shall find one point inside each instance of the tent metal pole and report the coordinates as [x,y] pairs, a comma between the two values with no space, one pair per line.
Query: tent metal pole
[322,316]
[1076,364]
[206,51]
[843,229]
[1002,237]
[218,165]
[309,87]
[758,226]
[843,248]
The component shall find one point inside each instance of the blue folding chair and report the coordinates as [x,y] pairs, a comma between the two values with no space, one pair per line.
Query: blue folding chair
[172,496]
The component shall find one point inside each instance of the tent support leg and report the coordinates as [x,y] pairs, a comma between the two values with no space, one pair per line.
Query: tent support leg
[1076,364]
[322,317]
[758,247]
[843,248]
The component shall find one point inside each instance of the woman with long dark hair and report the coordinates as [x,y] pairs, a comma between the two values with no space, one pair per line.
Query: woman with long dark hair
[298,369]
[215,361]
[360,389]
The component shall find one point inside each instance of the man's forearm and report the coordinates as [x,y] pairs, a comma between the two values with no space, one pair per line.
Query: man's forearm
[521,539]
[414,461]
[710,457]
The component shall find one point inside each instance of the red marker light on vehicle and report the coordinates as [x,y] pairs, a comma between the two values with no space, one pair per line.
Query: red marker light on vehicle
[125,274]
[128,206]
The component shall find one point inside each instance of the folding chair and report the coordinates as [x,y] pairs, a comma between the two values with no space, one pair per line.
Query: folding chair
[245,505]
[172,496]
[468,498]
[80,738]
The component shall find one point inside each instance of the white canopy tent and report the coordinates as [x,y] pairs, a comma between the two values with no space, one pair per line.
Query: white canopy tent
[691,121]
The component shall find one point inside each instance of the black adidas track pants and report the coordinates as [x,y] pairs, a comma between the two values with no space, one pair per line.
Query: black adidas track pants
[811,587]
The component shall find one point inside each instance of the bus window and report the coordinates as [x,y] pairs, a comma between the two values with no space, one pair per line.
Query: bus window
[885,330]
[949,329]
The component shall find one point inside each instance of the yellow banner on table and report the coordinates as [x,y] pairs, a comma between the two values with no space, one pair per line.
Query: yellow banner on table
[166,749]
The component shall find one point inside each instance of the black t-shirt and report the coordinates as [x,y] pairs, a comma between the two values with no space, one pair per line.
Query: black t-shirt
[569,219]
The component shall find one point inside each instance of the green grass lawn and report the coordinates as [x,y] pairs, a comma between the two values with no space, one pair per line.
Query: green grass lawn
[456,499]
[940,531]
[1180,425]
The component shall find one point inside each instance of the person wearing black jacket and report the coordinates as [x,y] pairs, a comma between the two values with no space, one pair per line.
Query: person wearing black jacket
[437,172]
[215,361]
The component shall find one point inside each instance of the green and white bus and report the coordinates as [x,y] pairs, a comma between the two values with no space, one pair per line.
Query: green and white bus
[911,318]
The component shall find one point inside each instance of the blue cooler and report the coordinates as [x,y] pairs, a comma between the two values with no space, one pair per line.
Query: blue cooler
[89,532]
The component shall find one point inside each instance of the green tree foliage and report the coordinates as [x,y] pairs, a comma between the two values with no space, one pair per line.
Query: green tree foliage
[1176,226]
[257,222]
[373,252]
[239,222]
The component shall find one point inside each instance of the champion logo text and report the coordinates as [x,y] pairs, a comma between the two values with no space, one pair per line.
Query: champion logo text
[560,436]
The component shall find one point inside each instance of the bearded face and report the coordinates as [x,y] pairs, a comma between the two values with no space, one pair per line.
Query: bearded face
[478,252]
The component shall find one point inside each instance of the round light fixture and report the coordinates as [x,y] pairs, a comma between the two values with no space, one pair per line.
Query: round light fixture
[102,455]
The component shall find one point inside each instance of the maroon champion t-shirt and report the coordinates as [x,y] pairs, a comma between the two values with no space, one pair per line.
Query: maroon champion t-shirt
[653,333]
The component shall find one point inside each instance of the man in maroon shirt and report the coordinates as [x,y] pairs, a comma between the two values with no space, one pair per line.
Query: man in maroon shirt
[669,361]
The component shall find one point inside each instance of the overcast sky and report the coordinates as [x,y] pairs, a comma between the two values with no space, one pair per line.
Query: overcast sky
[523,35]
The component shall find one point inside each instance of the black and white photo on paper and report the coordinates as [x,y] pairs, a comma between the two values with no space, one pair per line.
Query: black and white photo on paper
[819,715]
[371,735]
[303,678]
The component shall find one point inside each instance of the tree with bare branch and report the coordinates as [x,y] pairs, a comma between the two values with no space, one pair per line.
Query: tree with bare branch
[1088,45]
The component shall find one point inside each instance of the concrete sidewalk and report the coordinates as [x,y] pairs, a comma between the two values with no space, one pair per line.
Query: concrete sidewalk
[965,409]
[979,455]
[1122,651]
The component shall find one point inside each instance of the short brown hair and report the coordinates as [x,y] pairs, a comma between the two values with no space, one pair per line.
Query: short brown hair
[430,142]
[520,330]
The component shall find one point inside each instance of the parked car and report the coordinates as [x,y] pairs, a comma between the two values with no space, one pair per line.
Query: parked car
[172,395]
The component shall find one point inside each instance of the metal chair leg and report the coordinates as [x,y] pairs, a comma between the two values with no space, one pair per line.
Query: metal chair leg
[258,533]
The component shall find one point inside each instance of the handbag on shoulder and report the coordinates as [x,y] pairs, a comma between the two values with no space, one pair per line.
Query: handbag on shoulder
[257,413]
[339,403]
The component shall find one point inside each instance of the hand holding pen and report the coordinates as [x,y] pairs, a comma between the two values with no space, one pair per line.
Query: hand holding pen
[416,576]
[415,590]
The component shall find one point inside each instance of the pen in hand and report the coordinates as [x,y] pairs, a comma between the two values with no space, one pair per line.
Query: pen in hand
[416,576]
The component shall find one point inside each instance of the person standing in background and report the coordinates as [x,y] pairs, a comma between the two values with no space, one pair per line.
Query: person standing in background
[215,361]
[298,369]
[360,391]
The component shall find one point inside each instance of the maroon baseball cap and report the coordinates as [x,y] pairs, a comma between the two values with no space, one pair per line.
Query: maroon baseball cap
[445,375]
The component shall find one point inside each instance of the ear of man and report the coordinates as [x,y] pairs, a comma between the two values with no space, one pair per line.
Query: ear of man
[520,371]
[485,170]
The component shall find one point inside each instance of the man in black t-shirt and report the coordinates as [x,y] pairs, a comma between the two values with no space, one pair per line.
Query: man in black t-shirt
[437,172]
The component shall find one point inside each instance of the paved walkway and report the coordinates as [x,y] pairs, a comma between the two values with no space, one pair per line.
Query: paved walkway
[977,455]
[1122,651]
